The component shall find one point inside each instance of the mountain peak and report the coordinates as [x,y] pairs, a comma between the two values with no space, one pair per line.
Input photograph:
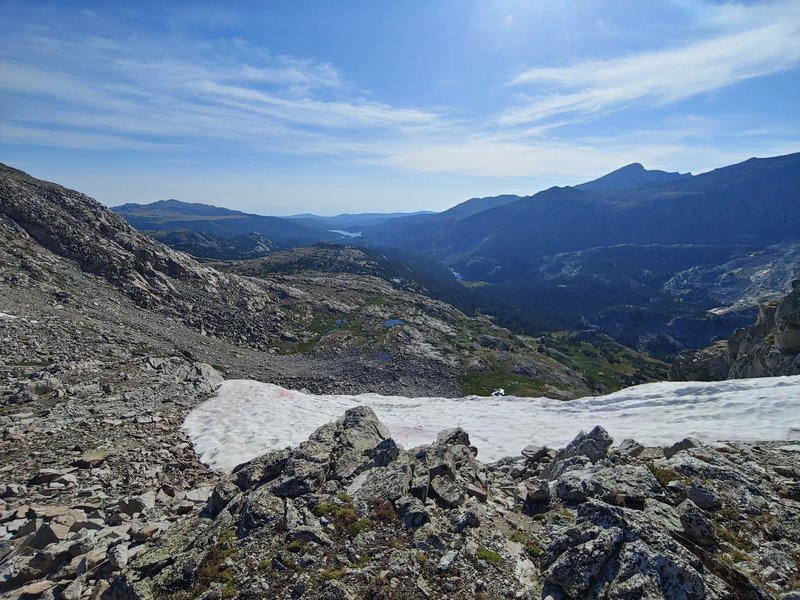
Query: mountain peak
[631,176]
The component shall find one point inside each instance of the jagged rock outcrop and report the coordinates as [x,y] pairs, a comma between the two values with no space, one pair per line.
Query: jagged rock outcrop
[769,348]
[349,514]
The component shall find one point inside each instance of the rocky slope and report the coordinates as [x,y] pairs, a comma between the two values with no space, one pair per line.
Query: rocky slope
[768,348]
[108,339]
[349,514]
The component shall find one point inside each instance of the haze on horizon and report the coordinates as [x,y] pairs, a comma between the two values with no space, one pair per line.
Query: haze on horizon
[286,108]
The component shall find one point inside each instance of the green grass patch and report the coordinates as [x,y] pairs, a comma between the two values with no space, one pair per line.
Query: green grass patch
[361,525]
[343,516]
[531,547]
[488,555]
[606,365]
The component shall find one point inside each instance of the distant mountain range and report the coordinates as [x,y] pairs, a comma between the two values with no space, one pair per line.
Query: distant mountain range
[171,216]
[606,253]
[754,203]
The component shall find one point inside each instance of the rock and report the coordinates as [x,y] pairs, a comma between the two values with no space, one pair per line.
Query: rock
[350,440]
[446,492]
[90,460]
[631,447]
[12,490]
[446,562]
[261,470]
[468,518]
[49,533]
[300,477]
[99,590]
[137,504]
[477,491]
[787,471]
[534,454]
[453,436]
[695,525]
[412,512]
[624,484]
[703,498]
[389,483]
[74,590]
[225,491]
[198,495]
[262,508]
[47,475]
[593,445]
[684,444]
[707,364]
[384,453]
[623,553]
[118,556]
[536,491]
[335,590]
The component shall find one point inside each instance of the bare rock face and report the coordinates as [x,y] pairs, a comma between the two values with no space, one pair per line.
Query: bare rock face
[769,348]
[617,553]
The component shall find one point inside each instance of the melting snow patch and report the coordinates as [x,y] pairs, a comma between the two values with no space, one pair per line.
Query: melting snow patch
[248,418]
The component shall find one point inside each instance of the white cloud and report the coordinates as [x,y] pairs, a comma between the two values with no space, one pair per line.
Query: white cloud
[123,90]
[666,76]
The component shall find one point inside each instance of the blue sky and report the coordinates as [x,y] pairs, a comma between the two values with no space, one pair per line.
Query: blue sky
[348,106]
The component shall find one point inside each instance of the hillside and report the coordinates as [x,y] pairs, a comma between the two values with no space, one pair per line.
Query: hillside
[662,262]
[567,257]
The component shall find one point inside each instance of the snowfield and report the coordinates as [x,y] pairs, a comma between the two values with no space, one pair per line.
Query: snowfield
[248,418]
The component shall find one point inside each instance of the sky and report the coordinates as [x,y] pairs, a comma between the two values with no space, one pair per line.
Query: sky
[349,106]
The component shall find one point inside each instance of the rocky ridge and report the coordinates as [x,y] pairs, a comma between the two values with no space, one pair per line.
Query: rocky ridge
[350,514]
[770,347]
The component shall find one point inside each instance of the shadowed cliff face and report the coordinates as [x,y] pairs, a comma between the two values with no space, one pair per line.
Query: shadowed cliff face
[768,348]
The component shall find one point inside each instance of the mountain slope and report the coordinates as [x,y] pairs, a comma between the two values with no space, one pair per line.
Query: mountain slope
[770,347]
[749,203]
[621,260]
[322,329]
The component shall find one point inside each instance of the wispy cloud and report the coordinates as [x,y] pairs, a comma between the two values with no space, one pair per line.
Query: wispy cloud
[663,77]
[125,90]
[136,94]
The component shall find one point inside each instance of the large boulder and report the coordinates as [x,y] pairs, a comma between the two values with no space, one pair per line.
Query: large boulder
[630,485]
